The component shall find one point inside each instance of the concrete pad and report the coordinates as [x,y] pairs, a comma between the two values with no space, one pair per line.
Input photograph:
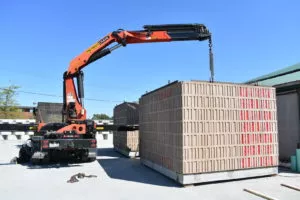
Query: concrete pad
[122,178]
[186,179]
[1,138]
[19,133]
[6,133]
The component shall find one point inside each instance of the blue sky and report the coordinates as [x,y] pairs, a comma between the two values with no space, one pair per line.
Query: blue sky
[38,39]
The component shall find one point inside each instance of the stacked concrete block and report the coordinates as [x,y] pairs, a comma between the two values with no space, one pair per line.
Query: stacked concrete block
[126,142]
[198,131]
[16,135]
[126,113]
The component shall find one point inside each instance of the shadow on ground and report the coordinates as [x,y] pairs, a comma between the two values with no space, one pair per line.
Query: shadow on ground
[3,164]
[285,170]
[54,165]
[44,166]
[108,152]
[51,164]
[120,167]
[18,146]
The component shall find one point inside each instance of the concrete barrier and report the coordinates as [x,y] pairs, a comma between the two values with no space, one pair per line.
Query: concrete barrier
[5,133]
[16,135]
[11,137]
[19,133]
[30,133]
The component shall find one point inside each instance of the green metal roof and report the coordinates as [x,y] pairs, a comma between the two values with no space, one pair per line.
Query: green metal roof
[284,75]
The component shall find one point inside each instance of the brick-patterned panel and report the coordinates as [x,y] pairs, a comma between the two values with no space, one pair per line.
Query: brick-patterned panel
[126,113]
[195,127]
[126,140]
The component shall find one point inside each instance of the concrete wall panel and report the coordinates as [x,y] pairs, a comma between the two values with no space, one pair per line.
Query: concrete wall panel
[195,127]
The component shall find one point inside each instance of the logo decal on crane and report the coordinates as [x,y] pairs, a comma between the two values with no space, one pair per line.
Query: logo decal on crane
[97,44]
[103,40]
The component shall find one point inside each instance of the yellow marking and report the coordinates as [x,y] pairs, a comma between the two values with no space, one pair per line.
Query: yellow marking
[92,47]
[100,128]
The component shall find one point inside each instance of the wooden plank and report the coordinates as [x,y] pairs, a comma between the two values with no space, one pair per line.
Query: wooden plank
[259,194]
[291,187]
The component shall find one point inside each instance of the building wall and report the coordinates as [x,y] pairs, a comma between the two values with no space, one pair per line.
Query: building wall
[286,81]
[288,124]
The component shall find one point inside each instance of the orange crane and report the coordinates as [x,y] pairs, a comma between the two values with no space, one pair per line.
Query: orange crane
[75,136]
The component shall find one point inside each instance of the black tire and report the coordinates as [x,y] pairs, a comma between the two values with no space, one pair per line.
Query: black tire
[24,157]
[92,159]
[36,161]
[85,158]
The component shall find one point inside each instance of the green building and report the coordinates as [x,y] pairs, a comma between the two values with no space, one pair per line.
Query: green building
[287,84]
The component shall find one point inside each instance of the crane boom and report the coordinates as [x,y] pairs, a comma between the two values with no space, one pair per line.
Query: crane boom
[150,34]
[73,102]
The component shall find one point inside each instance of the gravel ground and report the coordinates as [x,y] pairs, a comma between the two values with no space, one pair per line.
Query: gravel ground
[122,178]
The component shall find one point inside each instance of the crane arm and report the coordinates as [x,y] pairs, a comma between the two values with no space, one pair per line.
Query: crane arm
[150,34]
[73,107]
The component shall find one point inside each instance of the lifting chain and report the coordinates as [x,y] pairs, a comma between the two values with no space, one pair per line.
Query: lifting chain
[211,60]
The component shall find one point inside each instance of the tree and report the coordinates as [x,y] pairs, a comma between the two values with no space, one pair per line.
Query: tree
[100,116]
[8,103]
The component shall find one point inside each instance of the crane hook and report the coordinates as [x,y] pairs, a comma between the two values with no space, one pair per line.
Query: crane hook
[211,60]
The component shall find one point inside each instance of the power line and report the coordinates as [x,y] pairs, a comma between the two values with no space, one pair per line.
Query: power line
[41,94]
[60,96]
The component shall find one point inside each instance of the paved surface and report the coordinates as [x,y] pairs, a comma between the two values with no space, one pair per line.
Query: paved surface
[122,178]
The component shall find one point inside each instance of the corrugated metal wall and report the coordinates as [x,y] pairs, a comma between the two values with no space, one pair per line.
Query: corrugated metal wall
[126,140]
